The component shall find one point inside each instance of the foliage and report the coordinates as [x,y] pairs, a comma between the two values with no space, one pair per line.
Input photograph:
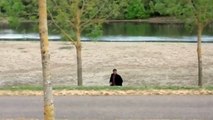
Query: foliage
[13,10]
[186,10]
[136,10]
[2,10]
[30,9]
[17,11]
[130,9]
[92,15]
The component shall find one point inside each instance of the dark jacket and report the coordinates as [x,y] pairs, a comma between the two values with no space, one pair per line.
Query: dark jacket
[117,81]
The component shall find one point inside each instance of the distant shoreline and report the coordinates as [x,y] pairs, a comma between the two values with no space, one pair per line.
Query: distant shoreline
[154,20]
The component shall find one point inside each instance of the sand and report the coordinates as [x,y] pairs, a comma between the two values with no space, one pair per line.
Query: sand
[106,92]
[138,63]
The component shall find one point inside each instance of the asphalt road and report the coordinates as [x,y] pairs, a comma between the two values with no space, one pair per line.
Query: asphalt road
[111,108]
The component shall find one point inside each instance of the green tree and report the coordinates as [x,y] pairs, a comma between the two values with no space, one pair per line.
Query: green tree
[165,7]
[72,17]
[197,13]
[12,10]
[136,10]
[18,11]
[1,8]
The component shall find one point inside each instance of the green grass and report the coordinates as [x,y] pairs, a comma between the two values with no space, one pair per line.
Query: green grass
[97,88]
[20,88]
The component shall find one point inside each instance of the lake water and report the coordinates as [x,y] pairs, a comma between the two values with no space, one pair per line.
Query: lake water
[128,32]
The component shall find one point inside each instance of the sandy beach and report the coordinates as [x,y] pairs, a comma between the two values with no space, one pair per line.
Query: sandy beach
[138,63]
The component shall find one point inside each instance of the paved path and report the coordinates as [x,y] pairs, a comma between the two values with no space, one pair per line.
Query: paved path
[111,108]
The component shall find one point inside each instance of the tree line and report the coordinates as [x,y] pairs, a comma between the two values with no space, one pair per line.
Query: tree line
[129,9]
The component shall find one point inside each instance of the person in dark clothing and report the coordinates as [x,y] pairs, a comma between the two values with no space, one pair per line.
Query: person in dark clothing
[115,79]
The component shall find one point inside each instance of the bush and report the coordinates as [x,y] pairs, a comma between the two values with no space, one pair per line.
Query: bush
[136,10]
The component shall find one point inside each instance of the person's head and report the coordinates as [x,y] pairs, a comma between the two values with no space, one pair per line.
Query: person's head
[114,71]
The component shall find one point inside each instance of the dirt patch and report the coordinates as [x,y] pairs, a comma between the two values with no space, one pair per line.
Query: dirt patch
[156,64]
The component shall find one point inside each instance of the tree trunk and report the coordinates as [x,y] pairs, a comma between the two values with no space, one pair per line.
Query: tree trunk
[199,54]
[79,64]
[78,49]
[47,87]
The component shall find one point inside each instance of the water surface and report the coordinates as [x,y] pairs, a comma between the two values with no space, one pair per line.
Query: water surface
[127,32]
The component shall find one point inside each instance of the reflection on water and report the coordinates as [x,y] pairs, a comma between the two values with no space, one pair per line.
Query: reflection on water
[121,32]
[149,29]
